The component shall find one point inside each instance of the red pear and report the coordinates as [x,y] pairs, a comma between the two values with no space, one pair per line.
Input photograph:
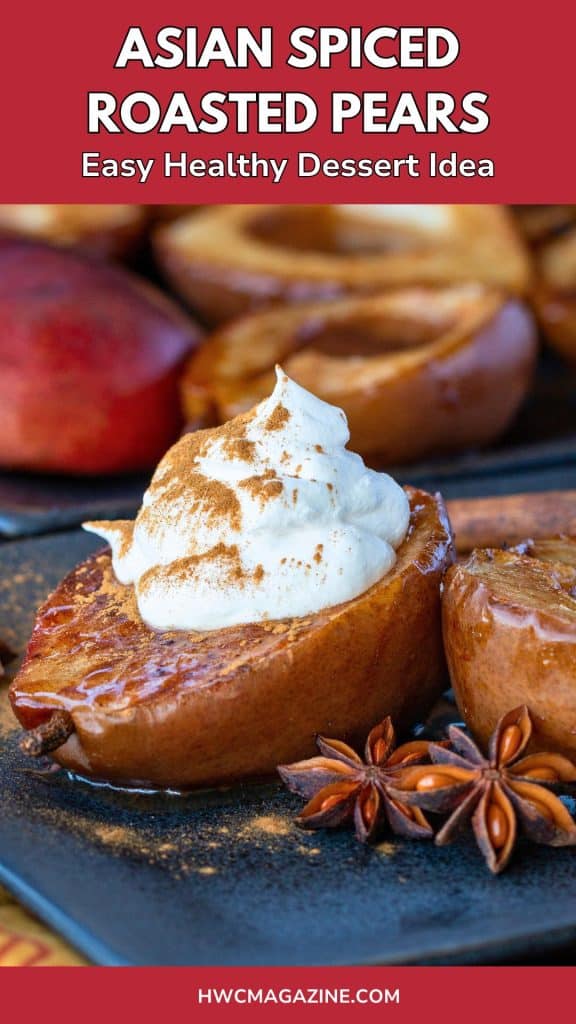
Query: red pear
[90,359]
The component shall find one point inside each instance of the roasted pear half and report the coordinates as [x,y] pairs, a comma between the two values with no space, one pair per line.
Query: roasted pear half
[509,622]
[555,292]
[227,260]
[417,371]
[181,709]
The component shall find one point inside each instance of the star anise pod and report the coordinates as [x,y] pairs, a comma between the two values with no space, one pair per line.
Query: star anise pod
[341,787]
[498,793]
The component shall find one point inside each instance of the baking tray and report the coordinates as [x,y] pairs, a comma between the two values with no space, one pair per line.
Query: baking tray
[224,877]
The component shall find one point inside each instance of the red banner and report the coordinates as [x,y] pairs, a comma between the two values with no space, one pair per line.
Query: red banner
[402,995]
[130,102]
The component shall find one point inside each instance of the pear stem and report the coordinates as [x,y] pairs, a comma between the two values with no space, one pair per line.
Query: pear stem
[48,736]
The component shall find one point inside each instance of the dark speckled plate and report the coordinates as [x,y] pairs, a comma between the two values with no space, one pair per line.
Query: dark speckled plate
[225,877]
[32,504]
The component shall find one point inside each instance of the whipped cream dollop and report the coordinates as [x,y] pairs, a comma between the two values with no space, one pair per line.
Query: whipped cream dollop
[266,517]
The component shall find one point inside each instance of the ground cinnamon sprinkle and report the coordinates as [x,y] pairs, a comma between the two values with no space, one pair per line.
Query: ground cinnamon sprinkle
[239,448]
[277,418]
[218,552]
[269,824]
[318,553]
[212,498]
[186,454]
[223,555]
[121,528]
[387,849]
[217,499]
[263,487]
[8,722]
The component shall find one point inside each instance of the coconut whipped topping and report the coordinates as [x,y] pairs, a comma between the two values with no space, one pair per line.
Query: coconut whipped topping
[266,517]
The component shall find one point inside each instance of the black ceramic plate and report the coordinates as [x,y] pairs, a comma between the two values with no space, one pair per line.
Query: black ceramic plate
[32,504]
[225,877]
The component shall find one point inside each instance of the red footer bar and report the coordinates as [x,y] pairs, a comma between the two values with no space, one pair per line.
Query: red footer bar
[464,995]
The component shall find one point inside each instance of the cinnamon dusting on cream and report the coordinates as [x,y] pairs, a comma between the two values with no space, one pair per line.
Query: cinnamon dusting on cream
[122,529]
[268,517]
[263,487]
[278,418]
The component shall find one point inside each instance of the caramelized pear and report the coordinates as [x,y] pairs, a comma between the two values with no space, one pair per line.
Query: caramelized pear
[510,638]
[181,709]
